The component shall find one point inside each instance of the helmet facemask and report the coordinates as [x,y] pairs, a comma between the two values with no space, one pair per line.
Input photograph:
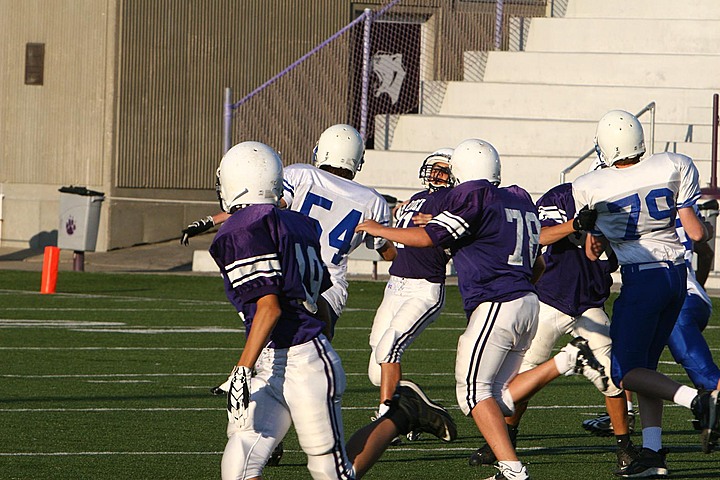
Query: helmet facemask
[435,171]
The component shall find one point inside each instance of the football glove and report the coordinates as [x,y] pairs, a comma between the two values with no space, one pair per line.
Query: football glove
[238,398]
[585,219]
[195,228]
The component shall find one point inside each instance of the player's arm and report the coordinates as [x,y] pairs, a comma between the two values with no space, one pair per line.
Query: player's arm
[238,395]
[594,246]
[538,269]
[203,225]
[412,237]
[266,317]
[553,233]
[583,221]
[693,226]
[388,251]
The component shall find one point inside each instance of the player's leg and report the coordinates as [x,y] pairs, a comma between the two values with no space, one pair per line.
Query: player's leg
[594,325]
[250,445]
[552,324]
[418,304]
[410,410]
[643,317]
[314,384]
[389,306]
[689,347]
[489,355]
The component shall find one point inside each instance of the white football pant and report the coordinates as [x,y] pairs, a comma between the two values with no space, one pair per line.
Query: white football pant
[491,350]
[300,385]
[409,305]
[593,325]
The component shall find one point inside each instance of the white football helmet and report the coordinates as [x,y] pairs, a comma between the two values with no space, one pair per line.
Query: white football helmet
[475,159]
[249,173]
[340,146]
[619,136]
[426,170]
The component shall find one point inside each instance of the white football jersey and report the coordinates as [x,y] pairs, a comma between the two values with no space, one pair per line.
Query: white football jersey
[339,205]
[637,205]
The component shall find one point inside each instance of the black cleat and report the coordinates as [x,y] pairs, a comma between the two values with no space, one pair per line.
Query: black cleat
[485,456]
[625,456]
[277,454]
[601,426]
[705,408]
[648,464]
[419,413]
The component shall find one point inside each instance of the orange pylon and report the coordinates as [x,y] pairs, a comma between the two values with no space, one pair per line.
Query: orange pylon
[51,259]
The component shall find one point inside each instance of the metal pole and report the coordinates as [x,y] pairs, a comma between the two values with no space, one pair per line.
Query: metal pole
[498,24]
[78,261]
[365,75]
[227,120]
[713,155]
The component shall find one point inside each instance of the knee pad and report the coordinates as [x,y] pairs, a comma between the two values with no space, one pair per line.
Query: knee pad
[329,467]
[374,371]
[388,350]
[506,403]
[245,455]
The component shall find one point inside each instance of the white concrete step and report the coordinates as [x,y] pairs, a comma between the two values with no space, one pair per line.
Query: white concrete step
[396,172]
[625,36]
[569,102]
[637,70]
[660,9]
[516,136]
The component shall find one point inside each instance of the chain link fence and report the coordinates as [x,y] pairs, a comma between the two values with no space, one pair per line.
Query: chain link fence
[393,59]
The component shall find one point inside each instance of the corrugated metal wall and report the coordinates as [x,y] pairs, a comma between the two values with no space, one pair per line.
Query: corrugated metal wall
[176,58]
[54,133]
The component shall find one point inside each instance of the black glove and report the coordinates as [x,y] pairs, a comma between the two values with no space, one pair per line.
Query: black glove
[196,228]
[585,219]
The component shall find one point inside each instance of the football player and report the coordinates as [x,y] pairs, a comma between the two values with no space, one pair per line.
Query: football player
[327,192]
[415,293]
[687,343]
[575,309]
[637,203]
[493,234]
[273,273]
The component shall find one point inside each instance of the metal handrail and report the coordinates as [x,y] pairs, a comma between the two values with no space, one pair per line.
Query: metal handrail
[650,107]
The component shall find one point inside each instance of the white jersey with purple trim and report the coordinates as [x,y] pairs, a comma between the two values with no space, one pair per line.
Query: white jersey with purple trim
[637,205]
[339,205]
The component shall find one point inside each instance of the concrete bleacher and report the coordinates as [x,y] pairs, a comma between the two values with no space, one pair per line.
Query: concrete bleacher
[539,106]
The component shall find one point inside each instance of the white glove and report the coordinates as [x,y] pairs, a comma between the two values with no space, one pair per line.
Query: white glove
[238,398]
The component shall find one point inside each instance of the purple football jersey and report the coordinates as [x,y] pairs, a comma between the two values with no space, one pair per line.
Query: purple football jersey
[412,262]
[493,234]
[263,250]
[571,283]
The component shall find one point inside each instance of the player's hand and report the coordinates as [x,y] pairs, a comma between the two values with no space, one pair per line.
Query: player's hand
[421,219]
[238,398]
[585,219]
[371,227]
[195,228]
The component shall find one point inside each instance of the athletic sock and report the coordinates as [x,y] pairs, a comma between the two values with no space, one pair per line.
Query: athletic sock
[652,438]
[684,396]
[562,362]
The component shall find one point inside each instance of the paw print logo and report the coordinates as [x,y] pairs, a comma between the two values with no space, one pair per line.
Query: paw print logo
[70,226]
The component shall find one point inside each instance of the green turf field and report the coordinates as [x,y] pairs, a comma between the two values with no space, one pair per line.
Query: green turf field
[109,378]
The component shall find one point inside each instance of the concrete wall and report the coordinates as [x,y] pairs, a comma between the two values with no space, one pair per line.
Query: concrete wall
[58,133]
